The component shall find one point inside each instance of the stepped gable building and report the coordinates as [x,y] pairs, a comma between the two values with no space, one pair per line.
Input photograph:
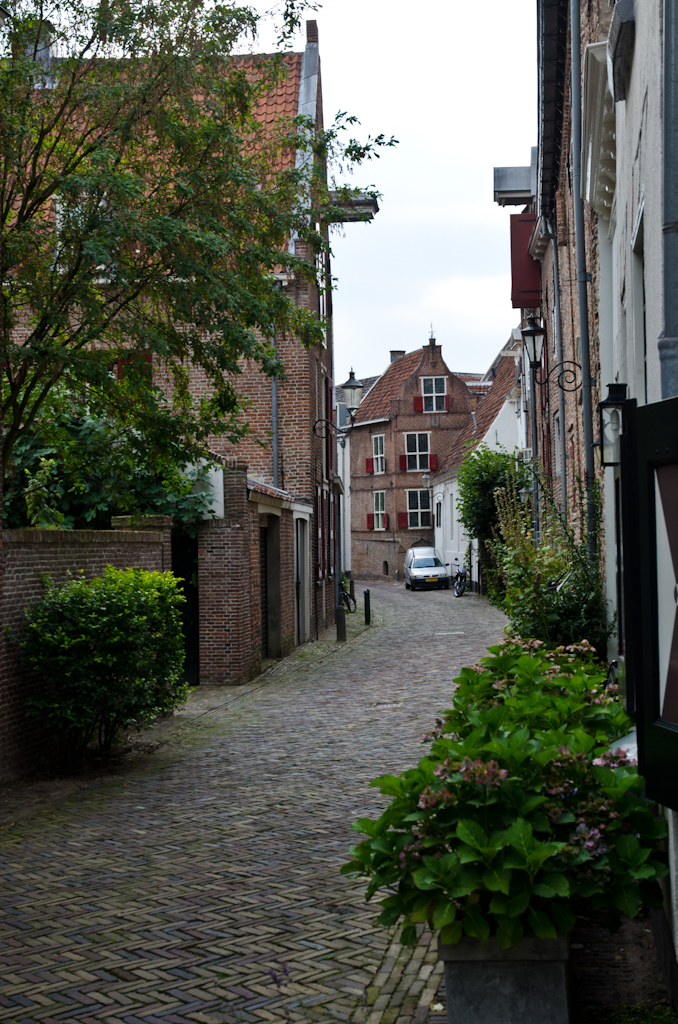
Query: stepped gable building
[404,429]
[266,561]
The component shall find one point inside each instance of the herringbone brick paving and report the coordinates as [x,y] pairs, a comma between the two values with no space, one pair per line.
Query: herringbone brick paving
[203,886]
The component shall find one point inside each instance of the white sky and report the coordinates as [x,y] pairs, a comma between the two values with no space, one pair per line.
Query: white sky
[455,82]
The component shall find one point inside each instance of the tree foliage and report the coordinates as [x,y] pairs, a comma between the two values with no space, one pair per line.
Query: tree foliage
[144,210]
[479,476]
[79,465]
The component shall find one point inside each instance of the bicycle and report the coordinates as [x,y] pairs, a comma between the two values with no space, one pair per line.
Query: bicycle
[346,598]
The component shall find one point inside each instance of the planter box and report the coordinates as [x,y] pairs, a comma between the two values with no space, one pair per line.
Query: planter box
[527,984]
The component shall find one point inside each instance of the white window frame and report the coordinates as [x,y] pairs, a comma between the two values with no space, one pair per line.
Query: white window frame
[414,514]
[379,462]
[436,398]
[418,455]
[379,505]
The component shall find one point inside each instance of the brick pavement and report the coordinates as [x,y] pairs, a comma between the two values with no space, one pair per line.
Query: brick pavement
[202,885]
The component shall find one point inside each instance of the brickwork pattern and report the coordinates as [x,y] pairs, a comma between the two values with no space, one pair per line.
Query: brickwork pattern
[173,892]
[27,556]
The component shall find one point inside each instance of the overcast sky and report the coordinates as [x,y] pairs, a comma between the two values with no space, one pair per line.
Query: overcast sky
[455,82]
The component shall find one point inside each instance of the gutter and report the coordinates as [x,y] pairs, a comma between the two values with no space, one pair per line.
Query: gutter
[582,276]
[668,339]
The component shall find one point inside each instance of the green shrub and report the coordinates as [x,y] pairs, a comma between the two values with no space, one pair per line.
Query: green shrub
[519,813]
[553,591]
[110,652]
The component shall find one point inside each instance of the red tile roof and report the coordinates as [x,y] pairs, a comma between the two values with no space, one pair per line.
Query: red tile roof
[282,99]
[273,492]
[377,404]
[501,385]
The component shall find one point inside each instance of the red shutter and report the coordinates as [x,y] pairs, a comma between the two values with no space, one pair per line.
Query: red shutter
[370,520]
[403,463]
[433,462]
[386,520]
[330,539]
[369,465]
[418,403]
[447,403]
[402,520]
[525,272]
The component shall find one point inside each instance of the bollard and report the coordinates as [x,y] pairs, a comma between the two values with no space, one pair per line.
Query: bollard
[351,587]
[340,616]
[367,608]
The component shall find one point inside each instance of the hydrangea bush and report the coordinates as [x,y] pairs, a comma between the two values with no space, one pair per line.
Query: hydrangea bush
[520,813]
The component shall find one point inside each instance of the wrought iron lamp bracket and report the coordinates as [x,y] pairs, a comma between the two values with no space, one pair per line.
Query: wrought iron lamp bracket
[567,375]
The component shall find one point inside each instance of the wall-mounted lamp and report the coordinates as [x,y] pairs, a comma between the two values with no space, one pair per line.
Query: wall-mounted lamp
[611,411]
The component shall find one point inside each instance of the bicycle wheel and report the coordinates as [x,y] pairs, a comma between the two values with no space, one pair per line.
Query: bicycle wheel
[348,602]
[459,586]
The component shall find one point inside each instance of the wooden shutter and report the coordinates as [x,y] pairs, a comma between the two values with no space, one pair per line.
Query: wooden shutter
[525,271]
[386,520]
[370,520]
[447,403]
[369,465]
[418,403]
[402,520]
[330,533]
[403,463]
[433,462]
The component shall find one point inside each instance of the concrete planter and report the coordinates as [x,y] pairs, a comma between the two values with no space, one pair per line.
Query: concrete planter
[527,984]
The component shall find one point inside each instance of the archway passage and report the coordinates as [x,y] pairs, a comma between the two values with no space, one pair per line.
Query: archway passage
[385,568]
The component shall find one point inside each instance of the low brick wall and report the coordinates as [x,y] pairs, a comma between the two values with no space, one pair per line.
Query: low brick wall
[27,556]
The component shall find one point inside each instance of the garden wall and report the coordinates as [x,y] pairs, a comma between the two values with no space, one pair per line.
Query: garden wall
[27,556]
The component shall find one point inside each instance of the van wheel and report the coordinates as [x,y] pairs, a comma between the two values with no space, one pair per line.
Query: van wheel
[407,586]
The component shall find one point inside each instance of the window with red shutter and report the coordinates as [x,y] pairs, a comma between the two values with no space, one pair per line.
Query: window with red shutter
[402,520]
[369,465]
[370,520]
[418,403]
[403,463]
[386,520]
[433,462]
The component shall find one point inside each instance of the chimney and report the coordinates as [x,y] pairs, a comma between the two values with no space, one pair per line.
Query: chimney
[432,345]
[396,353]
[311,31]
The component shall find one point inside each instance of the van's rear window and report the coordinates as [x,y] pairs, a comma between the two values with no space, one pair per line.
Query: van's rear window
[426,563]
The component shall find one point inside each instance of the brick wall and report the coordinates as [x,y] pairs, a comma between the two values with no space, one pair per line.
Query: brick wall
[27,555]
[370,549]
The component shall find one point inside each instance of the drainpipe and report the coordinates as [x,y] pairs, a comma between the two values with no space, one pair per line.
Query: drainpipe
[668,339]
[582,276]
[559,352]
[274,424]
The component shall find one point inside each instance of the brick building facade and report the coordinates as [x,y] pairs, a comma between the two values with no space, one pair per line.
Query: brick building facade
[404,429]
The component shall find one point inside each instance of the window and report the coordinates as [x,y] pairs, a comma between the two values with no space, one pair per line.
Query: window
[418,509]
[427,563]
[439,513]
[433,390]
[378,453]
[379,523]
[417,451]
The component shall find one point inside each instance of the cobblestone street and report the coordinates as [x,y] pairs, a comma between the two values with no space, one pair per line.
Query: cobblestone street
[201,884]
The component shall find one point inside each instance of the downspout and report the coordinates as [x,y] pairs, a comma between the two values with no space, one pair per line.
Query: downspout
[559,352]
[582,276]
[668,339]
[274,423]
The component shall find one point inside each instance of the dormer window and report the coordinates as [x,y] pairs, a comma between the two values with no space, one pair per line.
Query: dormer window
[434,394]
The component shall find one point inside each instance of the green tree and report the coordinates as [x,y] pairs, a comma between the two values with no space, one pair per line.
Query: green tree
[481,473]
[144,210]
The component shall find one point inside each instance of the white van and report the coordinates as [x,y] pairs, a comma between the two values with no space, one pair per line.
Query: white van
[424,570]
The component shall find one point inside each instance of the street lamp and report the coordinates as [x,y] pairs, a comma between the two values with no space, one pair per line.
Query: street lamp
[353,394]
[611,412]
[533,337]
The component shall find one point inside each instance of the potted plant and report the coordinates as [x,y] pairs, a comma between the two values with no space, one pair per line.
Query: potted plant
[520,812]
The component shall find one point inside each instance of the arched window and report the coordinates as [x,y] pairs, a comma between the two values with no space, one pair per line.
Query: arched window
[385,568]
